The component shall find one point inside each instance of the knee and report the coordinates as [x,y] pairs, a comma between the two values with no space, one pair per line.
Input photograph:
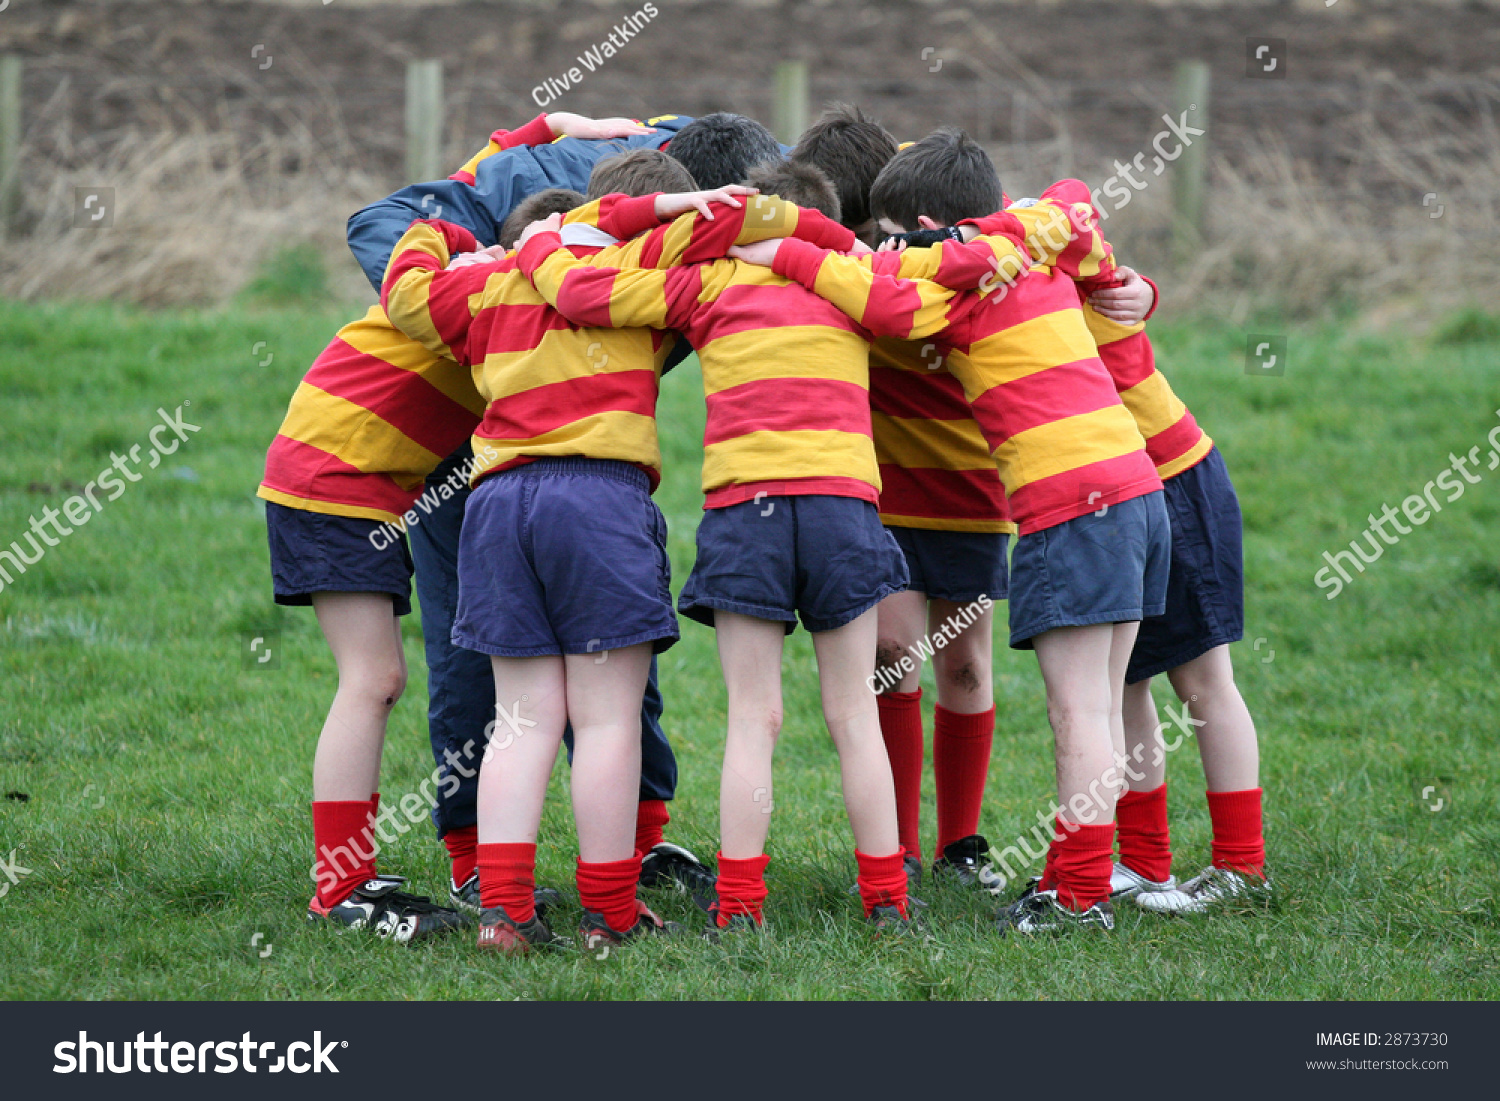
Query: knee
[1192,683]
[381,687]
[1078,710]
[889,652]
[963,677]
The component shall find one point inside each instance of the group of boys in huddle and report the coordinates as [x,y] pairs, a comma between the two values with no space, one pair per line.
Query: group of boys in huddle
[882,423]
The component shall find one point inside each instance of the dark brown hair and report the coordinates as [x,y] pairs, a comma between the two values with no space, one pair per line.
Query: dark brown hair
[852,149]
[947,176]
[533,208]
[719,148]
[638,172]
[803,184]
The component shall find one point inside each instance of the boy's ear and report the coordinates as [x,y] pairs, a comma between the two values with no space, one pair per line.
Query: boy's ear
[927,223]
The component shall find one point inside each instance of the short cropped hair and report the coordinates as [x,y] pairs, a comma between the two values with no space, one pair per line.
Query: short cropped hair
[719,149]
[852,149]
[947,176]
[533,208]
[638,172]
[803,184]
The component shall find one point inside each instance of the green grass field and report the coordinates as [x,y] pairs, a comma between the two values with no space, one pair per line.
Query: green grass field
[168,782]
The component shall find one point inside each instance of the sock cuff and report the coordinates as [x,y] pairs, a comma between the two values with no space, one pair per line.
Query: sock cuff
[881,865]
[753,867]
[1138,798]
[899,701]
[462,841]
[506,854]
[1076,834]
[956,724]
[653,813]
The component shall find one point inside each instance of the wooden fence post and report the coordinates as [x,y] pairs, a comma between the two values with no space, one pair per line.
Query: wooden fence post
[791,101]
[424,121]
[10,140]
[1190,94]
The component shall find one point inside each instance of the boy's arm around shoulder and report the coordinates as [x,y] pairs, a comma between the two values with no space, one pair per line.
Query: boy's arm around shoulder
[427,303]
[592,293]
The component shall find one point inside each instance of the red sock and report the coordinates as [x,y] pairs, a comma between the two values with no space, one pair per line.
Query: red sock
[461,844]
[1239,839]
[1145,843]
[882,881]
[507,878]
[1081,860]
[742,887]
[344,847]
[901,727]
[961,762]
[650,819]
[609,889]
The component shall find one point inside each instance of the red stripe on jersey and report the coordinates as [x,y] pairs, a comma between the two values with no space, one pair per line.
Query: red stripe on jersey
[1053,394]
[542,409]
[515,327]
[1171,443]
[943,494]
[787,405]
[1130,360]
[934,395]
[744,307]
[402,398]
[301,470]
[1047,502]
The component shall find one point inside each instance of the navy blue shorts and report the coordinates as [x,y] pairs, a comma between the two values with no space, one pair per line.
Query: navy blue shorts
[827,559]
[959,566]
[1108,566]
[563,556]
[313,552]
[1206,593]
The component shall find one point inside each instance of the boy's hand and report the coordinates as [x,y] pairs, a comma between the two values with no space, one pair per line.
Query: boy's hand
[565,124]
[1127,304]
[550,224]
[859,249]
[762,253]
[484,256]
[892,244]
[670,206]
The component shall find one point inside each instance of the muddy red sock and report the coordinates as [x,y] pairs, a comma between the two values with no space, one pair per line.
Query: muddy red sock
[344,847]
[1145,844]
[882,881]
[961,763]
[650,819]
[901,727]
[742,887]
[461,844]
[507,878]
[608,888]
[1239,837]
[1081,860]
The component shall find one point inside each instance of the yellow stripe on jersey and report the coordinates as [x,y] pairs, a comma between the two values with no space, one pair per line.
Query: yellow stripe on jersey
[757,355]
[320,419]
[628,437]
[1066,444]
[1036,345]
[1153,404]
[802,453]
[917,443]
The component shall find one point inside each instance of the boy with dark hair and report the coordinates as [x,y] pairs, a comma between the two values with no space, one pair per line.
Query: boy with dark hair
[718,149]
[1091,558]
[638,172]
[790,528]
[852,149]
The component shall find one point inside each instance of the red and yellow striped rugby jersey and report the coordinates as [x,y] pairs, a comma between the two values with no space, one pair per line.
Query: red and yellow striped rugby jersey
[372,418]
[785,373]
[1059,433]
[377,411]
[551,388]
[1062,229]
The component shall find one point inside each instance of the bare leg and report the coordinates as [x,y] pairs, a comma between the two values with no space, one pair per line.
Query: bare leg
[1227,739]
[1082,707]
[750,652]
[845,664]
[900,620]
[962,668]
[365,638]
[604,704]
[1145,761]
[530,712]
